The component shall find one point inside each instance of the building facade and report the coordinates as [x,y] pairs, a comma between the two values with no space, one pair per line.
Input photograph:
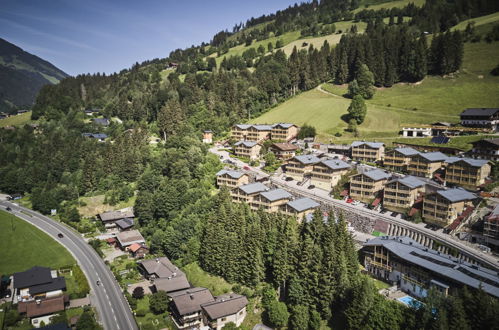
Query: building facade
[258,133]
[491,224]
[366,186]
[300,166]
[247,149]
[239,132]
[368,151]
[231,179]
[284,132]
[481,117]
[283,151]
[401,193]
[398,159]
[271,201]
[327,173]
[486,149]
[426,164]
[247,193]
[444,206]
[300,208]
[466,172]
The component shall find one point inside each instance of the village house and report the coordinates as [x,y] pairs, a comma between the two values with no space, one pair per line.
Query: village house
[231,179]
[300,166]
[248,192]
[109,218]
[171,284]
[185,307]
[327,173]
[91,111]
[207,136]
[401,193]
[226,308]
[283,151]
[258,133]
[481,117]
[367,185]
[486,149]
[444,206]
[124,224]
[138,251]
[160,267]
[127,238]
[368,151]
[239,132]
[467,172]
[398,159]
[416,269]
[101,137]
[247,149]
[101,121]
[270,201]
[284,132]
[426,164]
[300,207]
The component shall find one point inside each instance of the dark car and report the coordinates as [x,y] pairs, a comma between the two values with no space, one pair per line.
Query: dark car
[289,178]
[60,235]
[311,186]
[8,208]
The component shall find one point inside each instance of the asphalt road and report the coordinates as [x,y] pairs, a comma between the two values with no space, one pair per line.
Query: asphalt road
[112,308]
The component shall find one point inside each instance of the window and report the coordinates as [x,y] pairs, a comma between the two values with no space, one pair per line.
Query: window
[241,312]
[224,319]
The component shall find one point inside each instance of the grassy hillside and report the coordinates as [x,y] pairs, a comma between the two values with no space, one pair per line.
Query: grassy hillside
[377,4]
[433,99]
[17,120]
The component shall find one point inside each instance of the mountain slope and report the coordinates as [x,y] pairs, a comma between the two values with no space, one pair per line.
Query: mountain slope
[22,75]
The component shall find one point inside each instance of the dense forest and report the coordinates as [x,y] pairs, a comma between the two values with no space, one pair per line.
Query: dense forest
[306,274]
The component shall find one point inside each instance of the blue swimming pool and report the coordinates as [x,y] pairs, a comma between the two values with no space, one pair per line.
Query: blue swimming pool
[410,301]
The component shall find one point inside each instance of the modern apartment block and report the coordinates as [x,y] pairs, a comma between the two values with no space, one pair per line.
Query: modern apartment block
[444,206]
[401,193]
[302,165]
[231,179]
[284,132]
[247,149]
[426,164]
[366,186]
[327,173]
[279,132]
[486,149]
[271,201]
[467,172]
[300,208]
[247,193]
[283,151]
[398,159]
[491,224]
[239,132]
[258,133]
[481,117]
[368,151]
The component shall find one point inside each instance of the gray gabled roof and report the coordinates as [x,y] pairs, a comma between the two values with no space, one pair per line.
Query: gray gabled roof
[456,195]
[283,125]
[307,159]
[407,151]
[335,164]
[262,127]
[232,174]
[374,145]
[480,112]
[303,204]
[276,194]
[434,156]
[247,144]
[224,305]
[101,121]
[470,161]
[409,181]
[252,188]
[124,223]
[445,266]
[191,301]
[377,174]
[242,126]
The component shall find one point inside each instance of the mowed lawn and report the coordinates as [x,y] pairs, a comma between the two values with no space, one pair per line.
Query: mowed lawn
[16,120]
[23,246]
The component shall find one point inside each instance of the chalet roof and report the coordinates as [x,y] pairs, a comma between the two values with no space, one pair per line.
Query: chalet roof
[486,112]
[57,283]
[456,195]
[470,161]
[231,173]
[487,141]
[46,306]
[190,302]
[262,127]
[276,194]
[125,223]
[303,204]
[162,267]
[253,188]
[433,156]
[242,126]
[406,151]
[224,305]
[409,181]
[247,144]
[127,238]
[285,146]
[34,276]
[335,164]
[377,174]
[172,284]
[442,264]
[116,215]
[283,125]
[136,246]
[307,159]
[374,145]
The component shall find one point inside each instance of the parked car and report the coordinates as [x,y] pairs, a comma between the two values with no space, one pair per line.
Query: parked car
[311,186]
[246,168]
[289,178]
[349,200]
[355,203]
[60,235]
[8,208]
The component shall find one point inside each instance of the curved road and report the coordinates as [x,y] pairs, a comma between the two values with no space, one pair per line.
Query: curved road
[112,307]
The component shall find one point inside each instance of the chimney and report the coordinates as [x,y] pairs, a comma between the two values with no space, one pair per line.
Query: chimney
[192,296]
[157,260]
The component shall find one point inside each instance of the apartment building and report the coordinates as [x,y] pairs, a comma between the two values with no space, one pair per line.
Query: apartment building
[300,166]
[231,179]
[426,164]
[401,193]
[300,208]
[247,149]
[416,269]
[444,206]
[327,173]
[258,133]
[271,201]
[486,149]
[239,132]
[367,185]
[491,224]
[368,151]
[467,172]
[284,132]
[247,192]
[185,307]
[481,117]
[283,151]
[398,159]
[226,308]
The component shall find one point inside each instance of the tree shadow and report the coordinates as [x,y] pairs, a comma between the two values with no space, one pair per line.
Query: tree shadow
[345,117]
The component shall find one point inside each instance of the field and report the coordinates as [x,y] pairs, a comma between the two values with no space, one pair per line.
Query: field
[24,246]
[17,120]
[376,4]
[198,277]
[95,205]
[433,99]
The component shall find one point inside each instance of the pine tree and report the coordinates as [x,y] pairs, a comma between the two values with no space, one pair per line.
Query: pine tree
[357,109]
[365,80]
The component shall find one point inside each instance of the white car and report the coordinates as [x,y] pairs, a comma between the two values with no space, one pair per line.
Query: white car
[355,203]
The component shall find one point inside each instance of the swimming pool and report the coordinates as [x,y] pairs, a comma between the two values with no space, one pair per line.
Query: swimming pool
[410,301]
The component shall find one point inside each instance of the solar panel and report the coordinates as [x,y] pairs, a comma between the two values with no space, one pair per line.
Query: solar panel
[440,139]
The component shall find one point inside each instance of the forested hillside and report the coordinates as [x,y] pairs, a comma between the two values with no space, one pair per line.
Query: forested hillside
[22,75]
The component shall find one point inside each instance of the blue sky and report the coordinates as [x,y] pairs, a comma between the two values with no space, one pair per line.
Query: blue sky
[81,36]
